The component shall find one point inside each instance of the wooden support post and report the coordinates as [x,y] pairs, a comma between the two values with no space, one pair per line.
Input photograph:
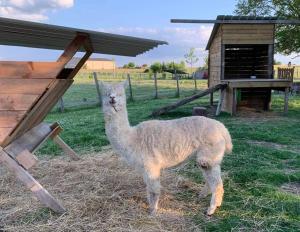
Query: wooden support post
[65,147]
[177,84]
[97,88]
[130,87]
[61,105]
[221,98]
[234,103]
[211,99]
[155,86]
[39,192]
[195,82]
[286,100]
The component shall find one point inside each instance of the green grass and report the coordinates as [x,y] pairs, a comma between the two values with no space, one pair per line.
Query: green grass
[253,174]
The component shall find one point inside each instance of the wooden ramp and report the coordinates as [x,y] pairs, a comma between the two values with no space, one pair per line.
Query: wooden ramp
[184,101]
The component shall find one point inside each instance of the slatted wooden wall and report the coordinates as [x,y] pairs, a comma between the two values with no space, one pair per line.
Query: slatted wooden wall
[21,85]
[215,60]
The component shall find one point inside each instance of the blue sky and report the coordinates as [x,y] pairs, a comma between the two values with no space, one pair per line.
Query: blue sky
[149,19]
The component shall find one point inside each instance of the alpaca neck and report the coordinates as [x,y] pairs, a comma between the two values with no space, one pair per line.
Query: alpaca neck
[118,129]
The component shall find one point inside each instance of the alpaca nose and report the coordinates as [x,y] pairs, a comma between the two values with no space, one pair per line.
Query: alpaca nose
[112,99]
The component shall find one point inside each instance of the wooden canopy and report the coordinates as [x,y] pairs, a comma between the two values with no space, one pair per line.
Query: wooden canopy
[29,90]
[38,35]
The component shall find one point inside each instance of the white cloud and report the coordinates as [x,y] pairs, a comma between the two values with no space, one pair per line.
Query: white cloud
[180,40]
[33,10]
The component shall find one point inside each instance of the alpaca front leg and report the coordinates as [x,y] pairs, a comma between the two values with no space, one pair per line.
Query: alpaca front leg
[213,178]
[153,191]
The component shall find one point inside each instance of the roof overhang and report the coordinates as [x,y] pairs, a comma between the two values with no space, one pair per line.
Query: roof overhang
[38,35]
[230,19]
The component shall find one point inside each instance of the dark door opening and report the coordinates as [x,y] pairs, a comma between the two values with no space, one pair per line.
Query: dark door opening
[246,61]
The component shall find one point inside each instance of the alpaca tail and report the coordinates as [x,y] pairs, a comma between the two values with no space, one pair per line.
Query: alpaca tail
[228,142]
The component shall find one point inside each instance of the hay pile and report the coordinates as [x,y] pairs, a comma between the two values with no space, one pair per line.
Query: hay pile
[100,192]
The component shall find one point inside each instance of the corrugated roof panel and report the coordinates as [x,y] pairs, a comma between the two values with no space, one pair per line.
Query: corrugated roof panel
[38,35]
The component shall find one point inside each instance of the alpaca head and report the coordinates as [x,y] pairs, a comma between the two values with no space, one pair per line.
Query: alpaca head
[113,98]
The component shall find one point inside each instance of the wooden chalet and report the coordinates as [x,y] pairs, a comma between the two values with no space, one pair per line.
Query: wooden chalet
[29,90]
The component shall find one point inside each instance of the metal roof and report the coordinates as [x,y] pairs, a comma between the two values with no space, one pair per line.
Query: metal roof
[38,35]
[231,19]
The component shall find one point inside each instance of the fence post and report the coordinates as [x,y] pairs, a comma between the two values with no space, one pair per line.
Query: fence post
[155,85]
[130,87]
[194,77]
[98,88]
[61,105]
[177,83]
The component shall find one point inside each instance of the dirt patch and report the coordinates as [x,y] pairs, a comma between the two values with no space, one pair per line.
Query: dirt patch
[293,188]
[276,146]
[101,194]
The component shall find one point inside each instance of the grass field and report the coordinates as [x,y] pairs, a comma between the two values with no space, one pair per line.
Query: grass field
[261,176]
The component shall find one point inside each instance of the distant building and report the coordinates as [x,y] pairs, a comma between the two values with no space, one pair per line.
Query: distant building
[93,64]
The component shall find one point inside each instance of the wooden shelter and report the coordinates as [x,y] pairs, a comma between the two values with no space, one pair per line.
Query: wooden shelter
[241,55]
[29,90]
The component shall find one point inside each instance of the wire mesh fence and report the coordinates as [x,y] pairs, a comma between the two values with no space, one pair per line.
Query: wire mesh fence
[83,93]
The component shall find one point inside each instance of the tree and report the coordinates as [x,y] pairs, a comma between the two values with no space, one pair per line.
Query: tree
[287,36]
[191,59]
[131,65]
[156,67]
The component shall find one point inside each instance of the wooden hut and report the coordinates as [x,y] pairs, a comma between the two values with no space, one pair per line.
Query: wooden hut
[242,55]
[29,90]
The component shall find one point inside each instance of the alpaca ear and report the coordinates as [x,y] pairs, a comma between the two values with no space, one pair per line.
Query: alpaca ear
[101,84]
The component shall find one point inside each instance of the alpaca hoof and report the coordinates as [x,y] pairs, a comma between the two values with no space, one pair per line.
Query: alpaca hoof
[211,211]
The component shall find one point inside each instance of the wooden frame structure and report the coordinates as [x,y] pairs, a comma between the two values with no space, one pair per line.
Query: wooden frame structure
[241,55]
[29,90]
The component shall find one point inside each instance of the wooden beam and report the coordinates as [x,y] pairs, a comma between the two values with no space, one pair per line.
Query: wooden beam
[38,190]
[72,48]
[228,21]
[173,106]
[67,150]
[234,102]
[221,98]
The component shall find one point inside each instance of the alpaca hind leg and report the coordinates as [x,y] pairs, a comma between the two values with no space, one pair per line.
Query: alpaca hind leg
[153,191]
[205,191]
[213,178]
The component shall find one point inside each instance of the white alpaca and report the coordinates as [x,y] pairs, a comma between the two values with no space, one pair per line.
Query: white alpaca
[154,145]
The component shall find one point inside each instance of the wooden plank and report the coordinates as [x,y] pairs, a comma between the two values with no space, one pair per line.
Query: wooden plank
[18,69]
[41,109]
[247,36]
[10,118]
[24,86]
[258,83]
[97,88]
[29,141]
[4,132]
[17,101]
[67,150]
[221,98]
[248,41]
[175,105]
[246,27]
[39,192]
[234,101]
[26,159]
[72,48]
